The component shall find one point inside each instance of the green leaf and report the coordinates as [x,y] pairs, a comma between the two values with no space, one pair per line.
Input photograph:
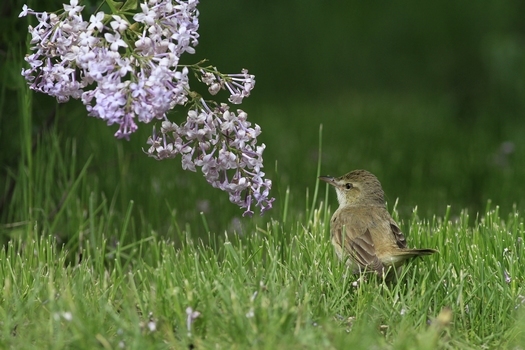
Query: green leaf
[114,6]
[129,5]
[118,7]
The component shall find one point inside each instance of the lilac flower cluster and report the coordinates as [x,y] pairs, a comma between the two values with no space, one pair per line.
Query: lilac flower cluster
[128,70]
[224,145]
[119,74]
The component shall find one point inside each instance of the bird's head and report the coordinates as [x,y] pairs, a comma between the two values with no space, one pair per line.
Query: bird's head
[358,187]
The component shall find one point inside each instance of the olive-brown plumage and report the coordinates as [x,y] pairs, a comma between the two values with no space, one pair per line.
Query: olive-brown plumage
[362,230]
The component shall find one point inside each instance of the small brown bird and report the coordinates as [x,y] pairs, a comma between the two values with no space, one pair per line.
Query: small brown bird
[362,230]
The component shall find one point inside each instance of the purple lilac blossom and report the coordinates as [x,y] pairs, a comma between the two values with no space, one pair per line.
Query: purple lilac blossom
[104,65]
[224,145]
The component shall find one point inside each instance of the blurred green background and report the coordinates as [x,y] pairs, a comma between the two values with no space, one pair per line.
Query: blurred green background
[428,96]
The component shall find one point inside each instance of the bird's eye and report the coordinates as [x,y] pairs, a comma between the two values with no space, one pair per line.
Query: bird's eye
[348,186]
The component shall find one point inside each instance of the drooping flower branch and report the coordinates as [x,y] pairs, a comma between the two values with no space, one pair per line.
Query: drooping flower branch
[124,67]
[223,144]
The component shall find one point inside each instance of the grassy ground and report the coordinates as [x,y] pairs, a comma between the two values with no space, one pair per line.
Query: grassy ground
[277,287]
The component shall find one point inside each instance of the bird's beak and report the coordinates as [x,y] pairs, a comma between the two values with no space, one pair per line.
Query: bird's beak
[329,179]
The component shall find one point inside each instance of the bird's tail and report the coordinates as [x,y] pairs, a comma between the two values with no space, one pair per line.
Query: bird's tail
[418,252]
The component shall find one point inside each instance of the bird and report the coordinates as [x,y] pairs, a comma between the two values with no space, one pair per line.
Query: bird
[362,231]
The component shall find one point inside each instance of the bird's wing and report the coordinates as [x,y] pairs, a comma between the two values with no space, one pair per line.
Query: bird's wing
[362,249]
[353,233]
[398,235]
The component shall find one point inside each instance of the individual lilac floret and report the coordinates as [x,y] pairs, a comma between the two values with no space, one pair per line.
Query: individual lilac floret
[224,145]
